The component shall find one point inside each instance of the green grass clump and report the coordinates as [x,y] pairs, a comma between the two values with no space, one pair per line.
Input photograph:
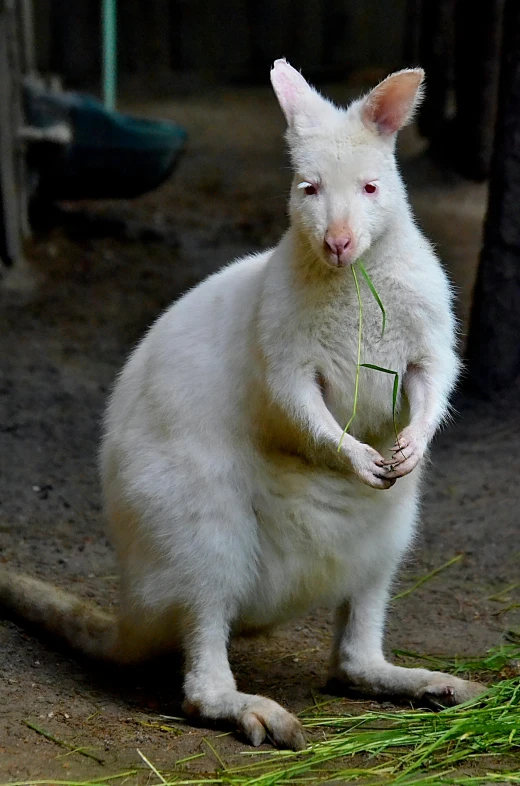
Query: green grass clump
[408,747]
[488,726]
[496,660]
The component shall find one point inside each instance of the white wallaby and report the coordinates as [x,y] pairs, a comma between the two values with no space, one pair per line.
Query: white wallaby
[231,504]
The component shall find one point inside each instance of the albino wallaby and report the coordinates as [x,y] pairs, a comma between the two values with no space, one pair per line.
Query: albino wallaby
[231,504]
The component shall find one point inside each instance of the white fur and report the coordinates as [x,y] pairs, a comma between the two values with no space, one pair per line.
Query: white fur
[230,506]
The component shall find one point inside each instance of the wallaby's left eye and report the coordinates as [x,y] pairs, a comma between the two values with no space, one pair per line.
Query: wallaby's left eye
[370,188]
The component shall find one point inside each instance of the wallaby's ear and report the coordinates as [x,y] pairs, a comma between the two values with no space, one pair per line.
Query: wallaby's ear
[391,104]
[300,103]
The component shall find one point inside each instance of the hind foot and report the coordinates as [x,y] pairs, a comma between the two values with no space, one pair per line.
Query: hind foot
[257,718]
[431,688]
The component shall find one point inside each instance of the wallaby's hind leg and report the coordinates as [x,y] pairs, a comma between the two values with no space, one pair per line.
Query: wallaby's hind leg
[359,662]
[144,633]
[133,644]
[211,692]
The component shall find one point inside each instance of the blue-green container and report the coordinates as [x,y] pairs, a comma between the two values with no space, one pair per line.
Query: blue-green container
[111,155]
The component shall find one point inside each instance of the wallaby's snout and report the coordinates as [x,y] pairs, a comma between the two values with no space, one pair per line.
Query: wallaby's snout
[339,245]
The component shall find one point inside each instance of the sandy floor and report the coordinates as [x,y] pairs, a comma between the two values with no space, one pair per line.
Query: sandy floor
[66,326]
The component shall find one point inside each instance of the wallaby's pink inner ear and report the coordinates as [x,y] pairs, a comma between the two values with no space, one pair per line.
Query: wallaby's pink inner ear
[391,104]
[290,88]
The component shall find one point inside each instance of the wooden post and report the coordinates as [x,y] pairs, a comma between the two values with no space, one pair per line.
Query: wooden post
[493,350]
[11,219]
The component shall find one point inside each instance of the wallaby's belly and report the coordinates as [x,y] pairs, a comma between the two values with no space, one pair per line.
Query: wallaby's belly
[322,536]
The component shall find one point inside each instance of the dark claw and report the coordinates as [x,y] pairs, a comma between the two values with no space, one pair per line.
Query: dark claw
[435,700]
[434,703]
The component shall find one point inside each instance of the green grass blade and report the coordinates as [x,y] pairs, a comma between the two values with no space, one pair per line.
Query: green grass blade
[378,368]
[428,577]
[369,365]
[395,392]
[374,293]
[358,364]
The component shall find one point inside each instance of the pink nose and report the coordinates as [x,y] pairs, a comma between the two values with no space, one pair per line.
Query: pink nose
[338,245]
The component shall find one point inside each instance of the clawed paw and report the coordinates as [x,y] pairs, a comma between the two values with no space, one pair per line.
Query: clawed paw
[446,691]
[266,720]
[379,473]
[257,718]
[370,468]
[406,454]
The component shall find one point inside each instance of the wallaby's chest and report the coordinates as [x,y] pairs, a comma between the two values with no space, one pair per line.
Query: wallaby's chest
[339,347]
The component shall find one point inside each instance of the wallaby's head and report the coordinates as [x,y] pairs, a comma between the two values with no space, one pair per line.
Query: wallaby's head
[346,184]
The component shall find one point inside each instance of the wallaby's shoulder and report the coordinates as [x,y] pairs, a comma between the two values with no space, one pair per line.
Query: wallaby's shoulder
[194,330]
[224,294]
[237,276]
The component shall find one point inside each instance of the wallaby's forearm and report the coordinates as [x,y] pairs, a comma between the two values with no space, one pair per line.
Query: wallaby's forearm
[301,398]
[427,388]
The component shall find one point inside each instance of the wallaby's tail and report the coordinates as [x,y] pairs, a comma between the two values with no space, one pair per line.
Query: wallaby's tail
[80,624]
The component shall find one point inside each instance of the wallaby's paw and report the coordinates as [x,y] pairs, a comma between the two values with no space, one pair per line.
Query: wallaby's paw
[370,468]
[446,691]
[424,688]
[406,454]
[264,719]
[257,718]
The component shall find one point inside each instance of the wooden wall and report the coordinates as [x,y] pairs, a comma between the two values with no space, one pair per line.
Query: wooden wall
[222,40]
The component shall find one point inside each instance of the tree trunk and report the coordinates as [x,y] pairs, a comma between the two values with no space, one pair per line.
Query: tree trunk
[478,29]
[494,338]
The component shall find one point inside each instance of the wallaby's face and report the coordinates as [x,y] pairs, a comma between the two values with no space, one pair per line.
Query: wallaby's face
[345,176]
[341,193]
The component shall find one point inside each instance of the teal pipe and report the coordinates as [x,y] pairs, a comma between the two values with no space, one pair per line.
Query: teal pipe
[109,28]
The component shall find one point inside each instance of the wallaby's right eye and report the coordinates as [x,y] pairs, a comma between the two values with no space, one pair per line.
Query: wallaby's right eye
[309,188]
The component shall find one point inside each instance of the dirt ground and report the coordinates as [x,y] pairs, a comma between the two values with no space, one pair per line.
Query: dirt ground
[66,325]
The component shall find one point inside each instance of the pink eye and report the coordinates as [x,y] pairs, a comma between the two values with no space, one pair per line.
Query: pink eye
[370,188]
[310,190]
